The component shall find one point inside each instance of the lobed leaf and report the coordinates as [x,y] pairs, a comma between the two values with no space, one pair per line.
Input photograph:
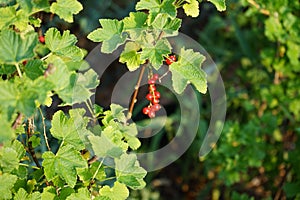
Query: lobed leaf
[63,164]
[191,8]
[220,4]
[7,182]
[118,192]
[111,34]
[65,9]
[131,56]
[63,45]
[187,70]
[129,172]
[155,53]
[15,48]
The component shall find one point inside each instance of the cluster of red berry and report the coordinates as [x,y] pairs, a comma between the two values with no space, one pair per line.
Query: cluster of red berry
[153,96]
[170,59]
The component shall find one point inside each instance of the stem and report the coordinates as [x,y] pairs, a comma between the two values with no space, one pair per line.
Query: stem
[137,86]
[29,148]
[26,165]
[18,121]
[96,172]
[18,69]
[46,56]
[257,6]
[44,130]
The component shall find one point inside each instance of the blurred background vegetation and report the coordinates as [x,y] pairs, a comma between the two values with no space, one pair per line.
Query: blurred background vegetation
[256,45]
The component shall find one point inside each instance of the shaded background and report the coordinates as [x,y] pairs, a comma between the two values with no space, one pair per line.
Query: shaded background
[257,156]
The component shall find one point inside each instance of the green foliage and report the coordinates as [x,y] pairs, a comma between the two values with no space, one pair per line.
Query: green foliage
[145,36]
[33,166]
[260,137]
[68,160]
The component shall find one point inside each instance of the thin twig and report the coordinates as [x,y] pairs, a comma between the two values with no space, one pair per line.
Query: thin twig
[18,121]
[30,149]
[133,100]
[256,5]
[44,130]
[280,187]
[18,69]
[92,160]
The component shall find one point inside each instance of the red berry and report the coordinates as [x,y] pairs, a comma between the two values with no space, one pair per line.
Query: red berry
[170,59]
[155,101]
[152,88]
[151,81]
[155,76]
[151,114]
[146,110]
[149,97]
[155,107]
[24,62]
[157,94]
[42,39]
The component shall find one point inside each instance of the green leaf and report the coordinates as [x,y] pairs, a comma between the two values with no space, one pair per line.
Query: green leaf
[291,189]
[63,164]
[103,147]
[169,26]
[131,57]
[7,133]
[220,4]
[7,69]
[111,34]
[19,148]
[118,192]
[63,45]
[59,74]
[82,194]
[135,24]
[7,16]
[191,8]
[8,93]
[23,195]
[155,7]
[35,141]
[15,49]
[148,5]
[86,174]
[34,69]
[71,130]
[78,90]
[7,182]
[129,172]
[187,70]
[155,53]
[65,9]
[8,159]
[30,6]
[293,53]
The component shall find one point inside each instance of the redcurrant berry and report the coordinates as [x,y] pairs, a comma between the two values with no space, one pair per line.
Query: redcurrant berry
[155,76]
[146,110]
[152,88]
[42,39]
[170,59]
[149,97]
[151,114]
[155,107]
[155,101]
[157,94]
[151,81]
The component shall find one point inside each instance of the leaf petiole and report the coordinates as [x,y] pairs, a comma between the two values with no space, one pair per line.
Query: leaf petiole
[18,69]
